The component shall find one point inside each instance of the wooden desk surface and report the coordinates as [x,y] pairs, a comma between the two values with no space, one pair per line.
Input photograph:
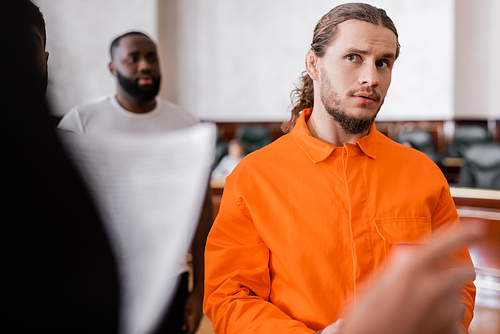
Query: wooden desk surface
[453,162]
[217,184]
[474,193]
[471,197]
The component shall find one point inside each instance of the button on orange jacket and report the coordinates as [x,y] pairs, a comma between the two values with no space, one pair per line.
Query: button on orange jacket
[302,224]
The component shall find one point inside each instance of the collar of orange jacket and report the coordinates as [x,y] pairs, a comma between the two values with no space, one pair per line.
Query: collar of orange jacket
[318,150]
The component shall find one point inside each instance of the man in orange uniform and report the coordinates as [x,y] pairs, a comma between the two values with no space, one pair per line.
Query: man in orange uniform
[304,221]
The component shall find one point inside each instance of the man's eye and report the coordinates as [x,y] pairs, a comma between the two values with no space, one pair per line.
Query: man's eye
[382,64]
[352,57]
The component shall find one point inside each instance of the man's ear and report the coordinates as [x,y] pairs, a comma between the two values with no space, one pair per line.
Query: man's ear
[112,68]
[312,65]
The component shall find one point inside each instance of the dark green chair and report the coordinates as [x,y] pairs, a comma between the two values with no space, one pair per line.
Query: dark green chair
[465,136]
[421,140]
[482,166]
[253,136]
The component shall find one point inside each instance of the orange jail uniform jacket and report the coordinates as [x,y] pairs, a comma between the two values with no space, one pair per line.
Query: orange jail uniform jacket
[302,224]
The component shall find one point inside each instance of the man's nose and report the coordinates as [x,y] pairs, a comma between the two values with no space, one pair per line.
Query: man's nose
[144,66]
[369,75]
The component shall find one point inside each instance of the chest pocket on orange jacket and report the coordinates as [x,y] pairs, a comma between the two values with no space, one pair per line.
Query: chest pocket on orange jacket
[404,231]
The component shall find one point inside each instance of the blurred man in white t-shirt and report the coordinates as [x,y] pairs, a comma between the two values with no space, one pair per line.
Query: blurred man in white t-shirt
[136,108]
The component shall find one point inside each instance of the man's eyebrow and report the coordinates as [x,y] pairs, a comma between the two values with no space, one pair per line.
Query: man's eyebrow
[136,52]
[352,50]
[389,55]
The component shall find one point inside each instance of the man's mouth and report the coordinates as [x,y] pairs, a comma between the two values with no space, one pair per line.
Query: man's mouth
[365,97]
[145,80]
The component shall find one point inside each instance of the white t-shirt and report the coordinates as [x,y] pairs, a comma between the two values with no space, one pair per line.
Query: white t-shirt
[105,114]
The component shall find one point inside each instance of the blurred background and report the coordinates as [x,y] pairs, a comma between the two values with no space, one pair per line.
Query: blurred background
[238,60]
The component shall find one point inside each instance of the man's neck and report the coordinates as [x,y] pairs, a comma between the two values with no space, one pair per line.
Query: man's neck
[323,127]
[129,104]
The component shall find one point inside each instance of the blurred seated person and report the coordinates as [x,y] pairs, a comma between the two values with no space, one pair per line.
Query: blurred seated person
[236,152]
[408,144]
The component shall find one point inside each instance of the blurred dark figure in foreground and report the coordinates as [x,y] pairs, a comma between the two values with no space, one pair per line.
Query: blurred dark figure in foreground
[61,274]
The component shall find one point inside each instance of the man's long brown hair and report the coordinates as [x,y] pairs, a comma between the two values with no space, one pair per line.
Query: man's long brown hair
[303,95]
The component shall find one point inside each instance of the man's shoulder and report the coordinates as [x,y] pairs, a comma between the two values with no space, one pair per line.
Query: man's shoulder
[275,153]
[94,104]
[390,146]
[77,118]
[402,156]
[171,109]
[167,104]
[266,163]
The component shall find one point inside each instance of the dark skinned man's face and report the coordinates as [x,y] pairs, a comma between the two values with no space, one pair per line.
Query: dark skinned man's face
[137,68]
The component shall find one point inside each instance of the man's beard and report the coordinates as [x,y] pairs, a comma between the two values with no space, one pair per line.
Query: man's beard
[331,101]
[140,95]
